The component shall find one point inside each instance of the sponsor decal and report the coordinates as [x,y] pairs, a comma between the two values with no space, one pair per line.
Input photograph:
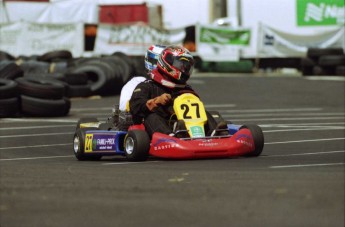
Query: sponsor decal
[197,131]
[161,144]
[320,12]
[244,139]
[208,143]
[99,142]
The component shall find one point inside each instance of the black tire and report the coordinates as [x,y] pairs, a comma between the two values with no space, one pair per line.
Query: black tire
[258,137]
[79,91]
[307,65]
[85,120]
[79,146]
[45,107]
[137,145]
[315,53]
[11,71]
[8,89]
[5,56]
[130,64]
[55,55]
[33,66]
[318,70]
[97,75]
[41,88]
[9,107]
[332,60]
[76,78]
[340,70]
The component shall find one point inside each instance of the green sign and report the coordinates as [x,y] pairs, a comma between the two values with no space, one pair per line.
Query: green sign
[223,35]
[320,12]
[197,131]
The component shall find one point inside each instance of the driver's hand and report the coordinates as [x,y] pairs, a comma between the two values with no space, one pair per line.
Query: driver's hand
[163,99]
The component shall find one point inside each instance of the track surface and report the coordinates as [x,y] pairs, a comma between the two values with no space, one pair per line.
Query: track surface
[298,180]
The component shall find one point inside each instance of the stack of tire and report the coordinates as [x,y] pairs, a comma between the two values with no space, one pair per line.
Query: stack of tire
[41,85]
[325,61]
[24,92]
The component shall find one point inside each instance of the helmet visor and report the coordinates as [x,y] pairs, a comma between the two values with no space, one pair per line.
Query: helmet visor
[184,64]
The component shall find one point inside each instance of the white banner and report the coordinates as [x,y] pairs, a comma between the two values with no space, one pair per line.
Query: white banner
[71,11]
[218,43]
[274,43]
[133,39]
[23,38]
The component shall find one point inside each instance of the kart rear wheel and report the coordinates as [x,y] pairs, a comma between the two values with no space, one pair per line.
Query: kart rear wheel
[137,145]
[79,146]
[258,138]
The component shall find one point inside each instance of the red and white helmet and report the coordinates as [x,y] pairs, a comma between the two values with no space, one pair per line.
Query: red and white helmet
[176,63]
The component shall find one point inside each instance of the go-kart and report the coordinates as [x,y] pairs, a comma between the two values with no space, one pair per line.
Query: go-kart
[119,136]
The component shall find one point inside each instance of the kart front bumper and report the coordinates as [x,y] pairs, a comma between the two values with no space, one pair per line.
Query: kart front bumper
[239,144]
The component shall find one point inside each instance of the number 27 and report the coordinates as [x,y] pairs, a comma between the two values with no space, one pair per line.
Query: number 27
[186,109]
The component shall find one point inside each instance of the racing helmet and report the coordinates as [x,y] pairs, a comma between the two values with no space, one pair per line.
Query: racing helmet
[176,64]
[151,56]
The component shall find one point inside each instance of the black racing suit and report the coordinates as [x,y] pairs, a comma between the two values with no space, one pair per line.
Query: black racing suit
[157,121]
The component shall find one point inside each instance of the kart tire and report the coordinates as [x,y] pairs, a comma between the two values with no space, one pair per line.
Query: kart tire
[258,138]
[137,145]
[45,107]
[8,89]
[41,88]
[315,53]
[332,60]
[55,55]
[79,146]
[340,71]
[85,120]
[9,107]
[79,91]
[11,71]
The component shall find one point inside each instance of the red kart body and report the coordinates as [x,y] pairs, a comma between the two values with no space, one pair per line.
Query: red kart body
[165,146]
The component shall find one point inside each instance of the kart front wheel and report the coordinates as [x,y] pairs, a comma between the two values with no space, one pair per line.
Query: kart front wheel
[137,145]
[79,146]
[258,138]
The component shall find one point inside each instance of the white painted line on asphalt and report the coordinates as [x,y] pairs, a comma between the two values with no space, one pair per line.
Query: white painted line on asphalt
[273,110]
[305,129]
[282,114]
[329,78]
[32,146]
[28,120]
[302,154]
[307,165]
[34,158]
[285,118]
[127,163]
[301,124]
[91,108]
[219,105]
[36,127]
[302,141]
[41,134]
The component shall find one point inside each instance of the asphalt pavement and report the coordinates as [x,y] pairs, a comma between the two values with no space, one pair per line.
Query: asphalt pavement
[297,181]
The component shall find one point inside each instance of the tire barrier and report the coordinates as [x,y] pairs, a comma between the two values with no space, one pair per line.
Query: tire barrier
[45,83]
[326,61]
[9,99]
